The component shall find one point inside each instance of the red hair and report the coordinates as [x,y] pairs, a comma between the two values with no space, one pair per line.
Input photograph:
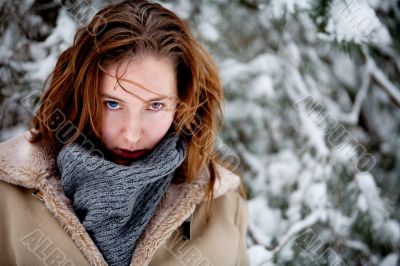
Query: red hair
[127,30]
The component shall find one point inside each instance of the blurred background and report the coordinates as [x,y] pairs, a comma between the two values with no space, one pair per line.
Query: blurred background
[311,113]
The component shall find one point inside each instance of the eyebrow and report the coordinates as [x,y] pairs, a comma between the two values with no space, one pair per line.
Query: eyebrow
[144,100]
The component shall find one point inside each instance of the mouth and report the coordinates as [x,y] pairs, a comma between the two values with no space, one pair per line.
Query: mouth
[130,154]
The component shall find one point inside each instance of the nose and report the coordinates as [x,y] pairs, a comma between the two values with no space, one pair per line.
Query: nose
[133,130]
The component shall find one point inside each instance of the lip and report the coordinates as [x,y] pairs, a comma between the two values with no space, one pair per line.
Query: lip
[130,154]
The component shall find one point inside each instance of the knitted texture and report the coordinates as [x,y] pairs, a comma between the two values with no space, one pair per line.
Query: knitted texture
[115,202]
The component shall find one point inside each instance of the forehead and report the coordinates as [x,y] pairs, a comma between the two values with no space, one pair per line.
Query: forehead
[147,76]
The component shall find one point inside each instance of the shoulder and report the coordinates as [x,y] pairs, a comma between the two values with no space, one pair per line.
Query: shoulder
[14,147]
[228,199]
[226,182]
[21,161]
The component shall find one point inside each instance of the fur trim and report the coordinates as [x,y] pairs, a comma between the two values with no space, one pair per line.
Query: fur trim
[60,206]
[20,162]
[31,166]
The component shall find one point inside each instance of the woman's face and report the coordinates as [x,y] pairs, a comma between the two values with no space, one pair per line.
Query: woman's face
[139,110]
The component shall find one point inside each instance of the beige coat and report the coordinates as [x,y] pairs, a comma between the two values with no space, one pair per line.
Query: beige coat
[39,227]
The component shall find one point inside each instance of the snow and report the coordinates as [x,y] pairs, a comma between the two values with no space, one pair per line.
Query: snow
[297,227]
[390,260]
[208,31]
[317,196]
[369,199]
[5,45]
[391,232]
[46,53]
[386,83]
[268,222]
[290,6]
[40,70]
[64,31]
[352,20]
[316,136]
[275,62]
[345,70]
[238,110]
[340,222]
[282,177]
[183,8]
[37,51]
[262,87]
[293,54]
[259,256]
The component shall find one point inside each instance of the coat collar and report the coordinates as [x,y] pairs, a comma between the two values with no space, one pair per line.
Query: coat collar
[31,166]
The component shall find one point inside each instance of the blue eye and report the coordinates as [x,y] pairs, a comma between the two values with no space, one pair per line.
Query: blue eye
[113,105]
[156,106]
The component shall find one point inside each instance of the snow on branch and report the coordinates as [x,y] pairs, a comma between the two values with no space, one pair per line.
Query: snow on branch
[352,117]
[386,84]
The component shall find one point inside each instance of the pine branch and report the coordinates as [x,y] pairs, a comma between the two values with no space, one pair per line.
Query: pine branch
[255,239]
[390,52]
[386,84]
[371,71]
[298,227]
[381,79]
[294,230]
[352,117]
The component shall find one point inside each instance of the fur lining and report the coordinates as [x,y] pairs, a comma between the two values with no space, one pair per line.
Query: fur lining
[31,166]
[22,167]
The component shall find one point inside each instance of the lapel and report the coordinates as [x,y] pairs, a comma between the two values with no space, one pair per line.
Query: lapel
[31,166]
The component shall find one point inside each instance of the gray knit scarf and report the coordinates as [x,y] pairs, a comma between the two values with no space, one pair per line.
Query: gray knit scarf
[115,202]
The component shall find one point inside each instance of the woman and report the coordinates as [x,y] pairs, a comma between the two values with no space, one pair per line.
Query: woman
[120,167]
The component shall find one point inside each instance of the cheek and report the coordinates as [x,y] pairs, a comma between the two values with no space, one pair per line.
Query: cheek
[159,127]
[109,129]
